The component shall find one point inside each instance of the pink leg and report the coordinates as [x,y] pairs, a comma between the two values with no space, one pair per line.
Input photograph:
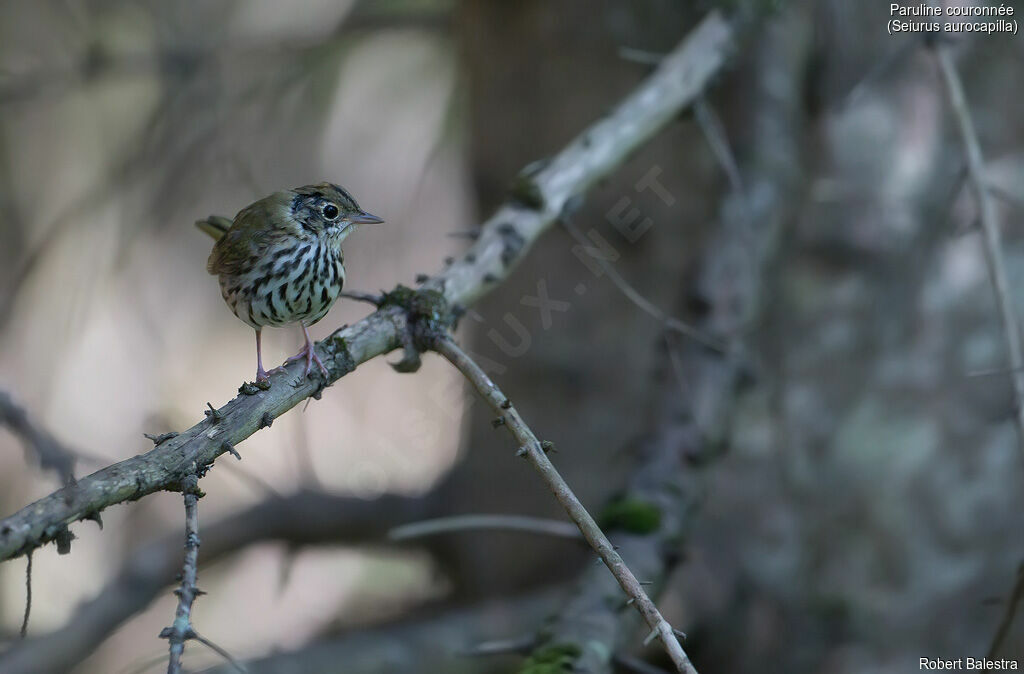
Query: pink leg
[261,374]
[308,353]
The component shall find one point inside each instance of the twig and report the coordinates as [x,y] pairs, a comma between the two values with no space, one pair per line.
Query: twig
[50,453]
[28,596]
[533,525]
[181,630]
[1016,596]
[530,448]
[634,296]
[714,132]
[220,651]
[504,240]
[360,296]
[880,67]
[641,56]
[990,227]
[519,645]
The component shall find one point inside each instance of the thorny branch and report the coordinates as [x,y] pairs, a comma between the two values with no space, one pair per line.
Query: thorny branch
[540,197]
[532,449]
[181,630]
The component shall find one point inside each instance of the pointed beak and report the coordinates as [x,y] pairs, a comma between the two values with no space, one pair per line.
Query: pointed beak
[365,218]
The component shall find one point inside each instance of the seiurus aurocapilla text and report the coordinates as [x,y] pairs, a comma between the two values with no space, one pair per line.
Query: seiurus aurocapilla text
[280,261]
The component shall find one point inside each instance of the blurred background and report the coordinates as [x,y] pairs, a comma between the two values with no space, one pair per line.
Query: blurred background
[862,507]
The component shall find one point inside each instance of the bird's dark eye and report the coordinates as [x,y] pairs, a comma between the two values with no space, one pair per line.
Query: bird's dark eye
[330,211]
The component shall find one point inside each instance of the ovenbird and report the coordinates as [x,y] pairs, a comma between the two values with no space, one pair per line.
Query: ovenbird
[280,261]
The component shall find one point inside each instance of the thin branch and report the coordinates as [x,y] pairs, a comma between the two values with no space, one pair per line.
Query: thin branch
[504,240]
[181,630]
[238,666]
[519,645]
[989,226]
[634,296]
[714,131]
[442,525]
[880,68]
[38,442]
[360,296]
[641,56]
[28,596]
[530,447]
[1006,622]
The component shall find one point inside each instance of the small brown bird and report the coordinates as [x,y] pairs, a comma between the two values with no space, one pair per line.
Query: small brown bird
[280,260]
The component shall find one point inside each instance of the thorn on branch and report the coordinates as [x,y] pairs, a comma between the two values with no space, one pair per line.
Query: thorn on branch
[230,449]
[161,438]
[655,633]
[267,420]
[212,413]
[548,446]
[95,517]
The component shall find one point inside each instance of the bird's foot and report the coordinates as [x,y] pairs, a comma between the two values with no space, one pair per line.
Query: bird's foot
[308,353]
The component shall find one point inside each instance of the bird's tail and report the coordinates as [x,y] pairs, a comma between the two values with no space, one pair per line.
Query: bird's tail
[215,226]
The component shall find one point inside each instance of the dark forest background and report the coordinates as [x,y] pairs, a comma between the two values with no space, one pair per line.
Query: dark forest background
[861,503]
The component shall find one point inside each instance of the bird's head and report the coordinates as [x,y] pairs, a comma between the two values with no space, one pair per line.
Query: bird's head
[326,209]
